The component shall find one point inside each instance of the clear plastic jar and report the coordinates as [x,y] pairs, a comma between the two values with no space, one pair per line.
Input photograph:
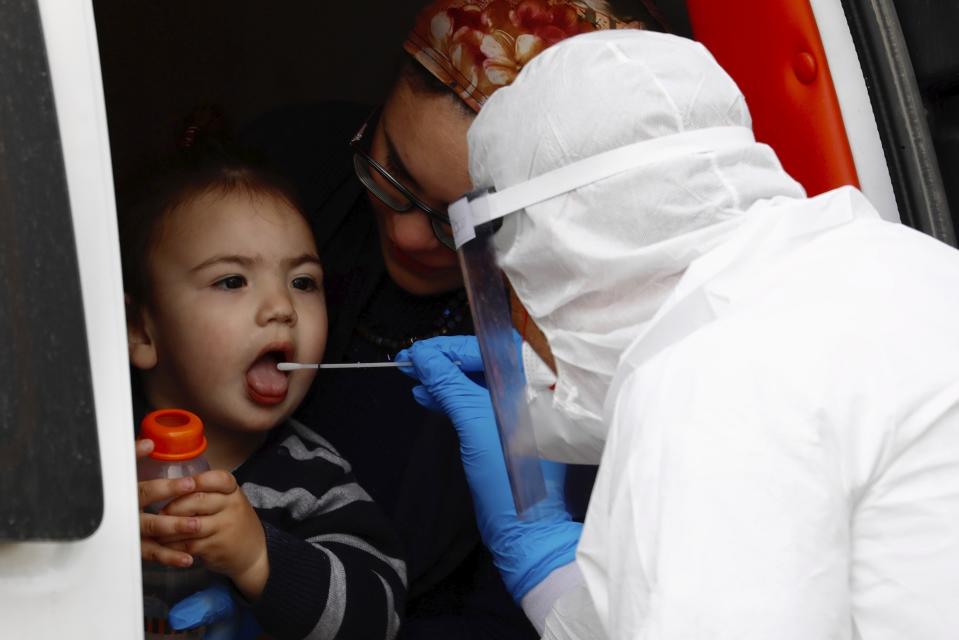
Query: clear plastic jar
[178,449]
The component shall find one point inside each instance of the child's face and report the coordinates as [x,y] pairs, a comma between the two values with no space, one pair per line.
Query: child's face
[236,288]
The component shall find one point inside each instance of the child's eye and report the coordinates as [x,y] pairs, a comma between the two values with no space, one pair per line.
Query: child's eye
[231,282]
[304,283]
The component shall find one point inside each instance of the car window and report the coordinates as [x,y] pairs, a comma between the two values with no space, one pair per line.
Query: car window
[50,477]
[929,30]
[890,38]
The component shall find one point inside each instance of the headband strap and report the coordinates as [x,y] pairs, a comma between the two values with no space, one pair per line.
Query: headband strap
[478,208]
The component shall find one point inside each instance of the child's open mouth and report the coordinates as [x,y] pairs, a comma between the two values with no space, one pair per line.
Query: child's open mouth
[265,384]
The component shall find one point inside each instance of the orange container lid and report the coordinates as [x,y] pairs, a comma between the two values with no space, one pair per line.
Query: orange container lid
[176,434]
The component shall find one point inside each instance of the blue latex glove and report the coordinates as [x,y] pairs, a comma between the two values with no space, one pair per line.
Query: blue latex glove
[216,608]
[525,552]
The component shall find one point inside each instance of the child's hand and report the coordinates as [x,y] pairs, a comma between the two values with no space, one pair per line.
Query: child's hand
[154,526]
[229,538]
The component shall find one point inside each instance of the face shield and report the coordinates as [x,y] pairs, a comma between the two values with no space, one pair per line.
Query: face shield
[475,219]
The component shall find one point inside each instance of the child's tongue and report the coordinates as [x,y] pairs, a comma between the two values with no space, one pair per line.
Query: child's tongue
[265,382]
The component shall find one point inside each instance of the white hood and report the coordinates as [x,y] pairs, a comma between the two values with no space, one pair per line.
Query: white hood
[592,266]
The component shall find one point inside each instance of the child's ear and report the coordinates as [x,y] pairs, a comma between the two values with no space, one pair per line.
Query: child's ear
[140,343]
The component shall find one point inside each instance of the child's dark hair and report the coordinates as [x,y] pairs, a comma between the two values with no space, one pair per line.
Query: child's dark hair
[205,161]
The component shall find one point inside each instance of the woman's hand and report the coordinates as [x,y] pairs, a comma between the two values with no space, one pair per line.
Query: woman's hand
[154,527]
[229,537]
[525,551]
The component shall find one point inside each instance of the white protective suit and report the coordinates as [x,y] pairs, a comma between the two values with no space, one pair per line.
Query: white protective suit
[775,378]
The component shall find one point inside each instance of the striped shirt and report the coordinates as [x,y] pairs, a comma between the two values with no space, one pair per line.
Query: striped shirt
[335,567]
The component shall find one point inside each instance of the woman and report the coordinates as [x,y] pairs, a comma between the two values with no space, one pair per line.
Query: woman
[378,207]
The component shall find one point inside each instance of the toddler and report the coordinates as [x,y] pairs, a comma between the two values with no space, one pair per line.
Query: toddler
[223,281]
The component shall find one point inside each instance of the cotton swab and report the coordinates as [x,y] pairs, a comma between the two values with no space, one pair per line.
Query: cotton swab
[294,366]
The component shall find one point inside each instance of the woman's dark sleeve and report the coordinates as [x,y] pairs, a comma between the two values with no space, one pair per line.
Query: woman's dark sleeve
[335,567]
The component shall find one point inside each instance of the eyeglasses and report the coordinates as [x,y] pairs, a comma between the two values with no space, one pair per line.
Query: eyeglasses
[400,199]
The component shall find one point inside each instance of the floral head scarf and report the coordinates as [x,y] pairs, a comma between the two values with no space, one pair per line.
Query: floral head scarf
[477,46]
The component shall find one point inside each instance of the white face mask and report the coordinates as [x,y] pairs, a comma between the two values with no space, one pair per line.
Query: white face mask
[564,432]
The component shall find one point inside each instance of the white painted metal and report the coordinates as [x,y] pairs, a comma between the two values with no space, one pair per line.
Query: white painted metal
[87,589]
[856,107]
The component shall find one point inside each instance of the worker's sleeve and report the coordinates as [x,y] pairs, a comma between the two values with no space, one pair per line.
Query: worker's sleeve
[719,510]
[904,573]
[573,617]
[541,599]
[560,607]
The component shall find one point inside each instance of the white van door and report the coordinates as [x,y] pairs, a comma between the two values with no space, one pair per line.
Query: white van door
[69,541]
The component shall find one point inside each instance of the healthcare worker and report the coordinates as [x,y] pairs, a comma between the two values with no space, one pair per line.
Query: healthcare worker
[769,382]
